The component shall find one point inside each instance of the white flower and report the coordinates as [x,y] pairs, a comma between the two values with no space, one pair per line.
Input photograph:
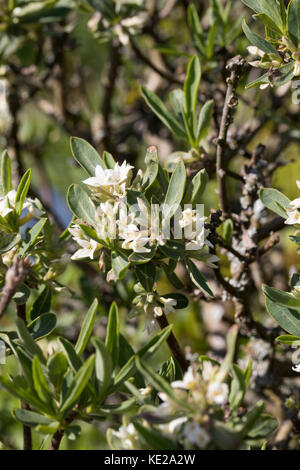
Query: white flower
[255,51]
[29,204]
[298,184]
[110,182]
[174,426]
[188,217]
[296,71]
[136,242]
[295,204]
[189,381]
[263,86]
[7,203]
[128,436]
[88,249]
[217,393]
[195,435]
[296,368]
[169,305]
[76,232]
[293,217]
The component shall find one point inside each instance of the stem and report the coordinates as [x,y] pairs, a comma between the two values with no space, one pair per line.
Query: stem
[27,436]
[56,440]
[173,343]
[237,67]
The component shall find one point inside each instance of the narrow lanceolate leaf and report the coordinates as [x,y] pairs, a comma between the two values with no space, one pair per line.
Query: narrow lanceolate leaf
[6,184]
[30,418]
[32,236]
[147,351]
[119,263]
[145,274]
[28,343]
[175,190]
[40,384]
[258,41]
[191,86]
[274,200]
[196,188]
[270,8]
[294,21]
[80,204]
[154,439]
[42,304]
[158,107]
[198,278]
[288,319]
[103,368]
[108,160]
[282,298]
[228,359]
[73,359]
[87,328]
[87,157]
[42,326]
[204,121]
[112,335]
[22,191]
[79,383]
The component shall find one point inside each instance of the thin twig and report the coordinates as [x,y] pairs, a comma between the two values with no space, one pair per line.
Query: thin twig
[173,343]
[237,67]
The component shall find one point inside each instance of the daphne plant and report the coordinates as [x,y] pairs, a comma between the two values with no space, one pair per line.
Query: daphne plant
[284,306]
[278,51]
[138,224]
[189,413]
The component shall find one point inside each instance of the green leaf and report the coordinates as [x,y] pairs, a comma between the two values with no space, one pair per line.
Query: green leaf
[31,236]
[87,328]
[81,205]
[146,275]
[27,340]
[196,188]
[40,384]
[42,326]
[293,21]
[120,264]
[22,294]
[228,359]
[108,160]
[87,157]
[73,359]
[151,173]
[78,385]
[146,352]
[22,191]
[237,387]
[57,366]
[191,86]
[281,297]
[263,427]
[30,418]
[112,334]
[162,113]
[288,319]
[204,121]
[274,200]
[288,339]
[197,278]
[8,241]
[175,190]
[103,368]
[270,8]
[258,41]
[6,183]
[20,392]
[42,304]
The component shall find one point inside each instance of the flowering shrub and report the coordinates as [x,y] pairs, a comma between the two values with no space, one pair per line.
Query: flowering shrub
[166,238]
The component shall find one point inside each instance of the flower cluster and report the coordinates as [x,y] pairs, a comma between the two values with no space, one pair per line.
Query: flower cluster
[293,211]
[8,206]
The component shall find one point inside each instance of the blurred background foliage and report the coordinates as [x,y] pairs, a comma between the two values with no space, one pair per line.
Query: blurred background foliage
[61,74]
